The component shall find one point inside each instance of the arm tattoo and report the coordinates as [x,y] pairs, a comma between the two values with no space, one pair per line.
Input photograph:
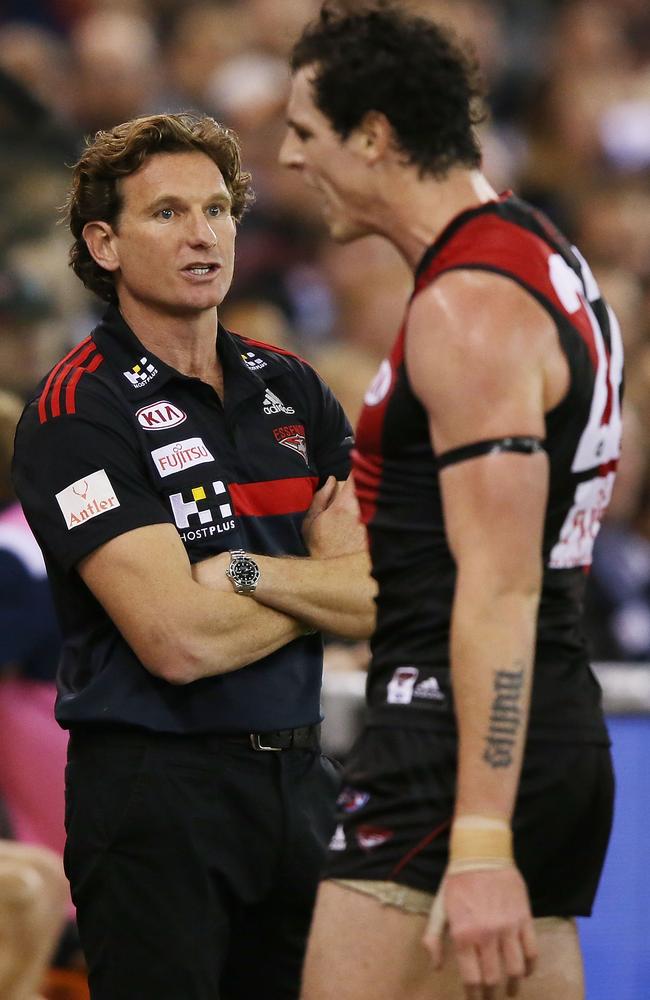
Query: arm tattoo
[505,717]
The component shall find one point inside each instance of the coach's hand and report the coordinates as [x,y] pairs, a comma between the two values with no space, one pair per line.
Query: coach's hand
[332,525]
[491,928]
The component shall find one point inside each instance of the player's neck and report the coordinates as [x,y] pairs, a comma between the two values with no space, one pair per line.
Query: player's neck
[427,206]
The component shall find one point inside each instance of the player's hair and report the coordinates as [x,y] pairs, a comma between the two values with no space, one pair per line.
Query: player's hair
[381,58]
[95,194]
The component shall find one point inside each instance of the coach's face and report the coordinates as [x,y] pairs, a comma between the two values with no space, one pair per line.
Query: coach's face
[172,247]
[336,168]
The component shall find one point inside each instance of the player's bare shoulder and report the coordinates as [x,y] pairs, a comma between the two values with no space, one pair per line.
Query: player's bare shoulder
[476,338]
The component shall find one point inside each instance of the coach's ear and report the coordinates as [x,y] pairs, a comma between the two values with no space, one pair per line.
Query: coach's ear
[100,240]
[373,137]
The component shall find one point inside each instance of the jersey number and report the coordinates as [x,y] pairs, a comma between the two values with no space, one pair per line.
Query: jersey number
[600,442]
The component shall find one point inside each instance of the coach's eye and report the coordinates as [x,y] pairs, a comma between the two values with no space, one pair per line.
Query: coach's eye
[166,213]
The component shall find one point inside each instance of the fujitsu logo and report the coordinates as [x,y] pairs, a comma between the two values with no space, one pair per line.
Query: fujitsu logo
[159,416]
[180,455]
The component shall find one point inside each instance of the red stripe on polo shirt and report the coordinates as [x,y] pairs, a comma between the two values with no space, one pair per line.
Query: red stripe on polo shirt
[278,496]
[82,349]
[55,398]
[71,387]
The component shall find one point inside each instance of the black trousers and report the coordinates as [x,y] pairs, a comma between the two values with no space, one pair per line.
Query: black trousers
[194,863]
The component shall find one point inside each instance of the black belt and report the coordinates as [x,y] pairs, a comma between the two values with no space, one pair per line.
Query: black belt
[303,738]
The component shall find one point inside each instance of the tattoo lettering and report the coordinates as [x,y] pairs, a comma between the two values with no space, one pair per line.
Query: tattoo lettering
[505,717]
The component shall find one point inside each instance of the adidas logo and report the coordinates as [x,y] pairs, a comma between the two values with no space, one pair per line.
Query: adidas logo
[272,404]
[429,688]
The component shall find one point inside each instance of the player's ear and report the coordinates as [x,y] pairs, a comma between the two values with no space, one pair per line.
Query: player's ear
[100,240]
[373,136]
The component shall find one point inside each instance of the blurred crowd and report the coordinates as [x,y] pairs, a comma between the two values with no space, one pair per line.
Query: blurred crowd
[567,127]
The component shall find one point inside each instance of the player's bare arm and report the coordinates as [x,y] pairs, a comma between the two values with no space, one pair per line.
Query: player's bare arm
[488,375]
[332,589]
[179,629]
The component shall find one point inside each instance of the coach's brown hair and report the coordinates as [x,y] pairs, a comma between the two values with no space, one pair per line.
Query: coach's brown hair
[111,155]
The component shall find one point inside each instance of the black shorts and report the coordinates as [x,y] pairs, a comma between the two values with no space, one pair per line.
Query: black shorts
[395,809]
[194,863]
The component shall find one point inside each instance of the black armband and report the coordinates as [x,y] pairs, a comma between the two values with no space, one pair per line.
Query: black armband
[493,446]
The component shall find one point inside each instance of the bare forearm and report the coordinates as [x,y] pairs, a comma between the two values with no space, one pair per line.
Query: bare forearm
[335,595]
[244,633]
[492,660]
[216,634]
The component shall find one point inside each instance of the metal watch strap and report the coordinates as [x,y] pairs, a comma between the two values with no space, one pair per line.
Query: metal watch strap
[241,588]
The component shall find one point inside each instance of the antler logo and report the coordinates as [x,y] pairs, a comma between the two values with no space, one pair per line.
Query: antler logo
[81,489]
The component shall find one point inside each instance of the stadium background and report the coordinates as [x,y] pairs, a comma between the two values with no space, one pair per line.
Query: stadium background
[568,86]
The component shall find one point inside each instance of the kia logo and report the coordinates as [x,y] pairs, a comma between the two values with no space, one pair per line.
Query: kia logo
[159,416]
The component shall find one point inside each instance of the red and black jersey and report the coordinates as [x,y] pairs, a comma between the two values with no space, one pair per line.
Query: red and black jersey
[115,439]
[397,482]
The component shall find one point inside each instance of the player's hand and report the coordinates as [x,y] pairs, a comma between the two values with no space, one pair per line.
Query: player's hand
[491,929]
[332,525]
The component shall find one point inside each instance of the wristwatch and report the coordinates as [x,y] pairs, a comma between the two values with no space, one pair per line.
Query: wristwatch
[243,571]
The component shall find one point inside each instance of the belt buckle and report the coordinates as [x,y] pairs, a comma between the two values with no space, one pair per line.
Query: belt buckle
[256,745]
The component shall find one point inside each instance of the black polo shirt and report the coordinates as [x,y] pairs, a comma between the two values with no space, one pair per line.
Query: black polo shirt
[116,439]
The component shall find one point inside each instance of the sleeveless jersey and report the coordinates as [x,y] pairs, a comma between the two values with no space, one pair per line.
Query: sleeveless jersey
[397,483]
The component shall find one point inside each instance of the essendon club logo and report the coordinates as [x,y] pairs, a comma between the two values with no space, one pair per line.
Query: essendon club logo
[159,416]
[292,436]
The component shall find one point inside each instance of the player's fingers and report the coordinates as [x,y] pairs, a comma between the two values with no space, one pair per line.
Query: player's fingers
[513,961]
[469,968]
[490,965]
[529,945]
[434,931]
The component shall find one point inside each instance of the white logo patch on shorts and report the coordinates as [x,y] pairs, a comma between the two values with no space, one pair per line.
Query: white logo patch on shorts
[87,498]
[400,687]
[338,841]
[429,688]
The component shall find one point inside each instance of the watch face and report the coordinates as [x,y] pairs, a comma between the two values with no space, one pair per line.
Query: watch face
[245,572]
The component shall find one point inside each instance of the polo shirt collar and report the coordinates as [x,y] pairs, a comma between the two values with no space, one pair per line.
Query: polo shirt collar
[143,374]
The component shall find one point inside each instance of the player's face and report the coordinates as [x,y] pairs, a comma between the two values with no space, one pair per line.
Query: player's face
[174,240]
[326,162]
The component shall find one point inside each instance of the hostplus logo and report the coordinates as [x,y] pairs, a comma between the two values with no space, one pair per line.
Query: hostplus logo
[252,362]
[198,517]
[272,404]
[141,373]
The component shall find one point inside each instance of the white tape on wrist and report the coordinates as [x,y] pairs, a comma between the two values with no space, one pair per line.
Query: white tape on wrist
[479,843]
